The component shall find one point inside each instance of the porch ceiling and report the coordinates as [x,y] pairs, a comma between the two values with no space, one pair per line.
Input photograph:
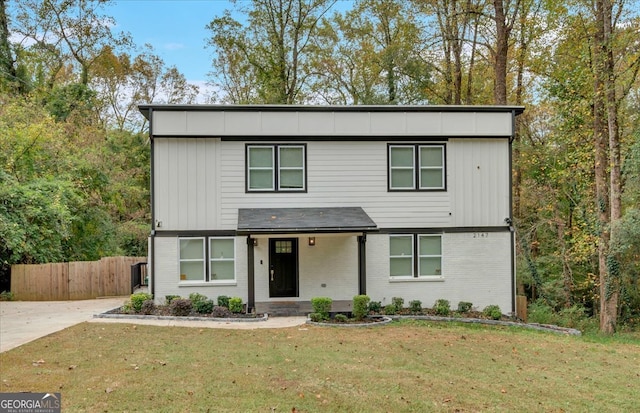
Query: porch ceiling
[303,220]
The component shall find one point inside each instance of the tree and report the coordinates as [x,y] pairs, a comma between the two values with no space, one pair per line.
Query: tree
[273,47]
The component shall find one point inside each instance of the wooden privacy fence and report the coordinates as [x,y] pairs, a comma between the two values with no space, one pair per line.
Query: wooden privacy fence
[80,280]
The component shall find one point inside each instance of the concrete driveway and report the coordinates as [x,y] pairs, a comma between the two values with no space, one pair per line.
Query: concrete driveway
[25,321]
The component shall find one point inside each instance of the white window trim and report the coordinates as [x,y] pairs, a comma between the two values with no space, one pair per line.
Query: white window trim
[417,168]
[415,265]
[204,260]
[211,258]
[292,168]
[412,168]
[250,168]
[440,168]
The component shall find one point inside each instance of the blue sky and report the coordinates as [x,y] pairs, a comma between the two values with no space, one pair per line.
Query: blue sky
[175,29]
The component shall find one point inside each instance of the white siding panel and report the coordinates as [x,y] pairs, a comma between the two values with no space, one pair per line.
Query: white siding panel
[479,174]
[494,124]
[314,124]
[243,123]
[279,123]
[205,123]
[477,270]
[169,123]
[428,123]
[167,273]
[388,123]
[358,123]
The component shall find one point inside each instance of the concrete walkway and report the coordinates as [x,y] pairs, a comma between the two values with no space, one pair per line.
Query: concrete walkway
[25,321]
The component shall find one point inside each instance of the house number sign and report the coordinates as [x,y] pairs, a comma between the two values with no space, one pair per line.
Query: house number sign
[480,235]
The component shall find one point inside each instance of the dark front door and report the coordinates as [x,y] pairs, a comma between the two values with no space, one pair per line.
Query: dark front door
[283,267]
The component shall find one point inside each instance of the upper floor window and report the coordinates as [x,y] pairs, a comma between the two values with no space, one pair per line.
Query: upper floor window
[276,167]
[416,167]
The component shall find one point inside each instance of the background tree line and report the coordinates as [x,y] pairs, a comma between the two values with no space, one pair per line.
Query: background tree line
[75,157]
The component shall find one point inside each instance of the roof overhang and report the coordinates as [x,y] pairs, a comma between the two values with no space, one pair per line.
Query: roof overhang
[303,220]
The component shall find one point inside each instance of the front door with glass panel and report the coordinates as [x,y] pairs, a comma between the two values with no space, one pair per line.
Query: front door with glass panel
[283,267]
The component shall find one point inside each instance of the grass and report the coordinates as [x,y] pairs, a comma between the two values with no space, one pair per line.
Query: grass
[407,366]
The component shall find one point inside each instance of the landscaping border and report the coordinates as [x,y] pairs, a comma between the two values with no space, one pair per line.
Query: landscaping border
[265,317]
[532,326]
[385,320]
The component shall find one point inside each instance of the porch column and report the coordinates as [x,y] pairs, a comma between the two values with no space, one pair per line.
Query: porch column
[362,264]
[251,298]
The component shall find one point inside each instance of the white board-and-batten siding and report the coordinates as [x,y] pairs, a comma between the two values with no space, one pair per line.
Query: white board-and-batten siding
[199,184]
[331,123]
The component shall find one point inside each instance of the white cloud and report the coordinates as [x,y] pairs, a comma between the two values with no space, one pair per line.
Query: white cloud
[173,46]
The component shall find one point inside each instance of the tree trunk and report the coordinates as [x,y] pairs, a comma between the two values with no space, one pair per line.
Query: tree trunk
[7,68]
[500,58]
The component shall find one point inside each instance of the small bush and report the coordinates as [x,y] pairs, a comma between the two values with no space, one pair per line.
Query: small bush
[415,306]
[341,318]
[7,296]
[220,312]
[127,308]
[197,297]
[235,305]
[169,298]
[493,312]
[148,307]
[316,317]
[464,306]
[442,307]
[541,313]
[203,306]
[390,309]
[360,306]
[375,307]
[322,306]
[398,302]
[180,307]
[137,300]
[223,301]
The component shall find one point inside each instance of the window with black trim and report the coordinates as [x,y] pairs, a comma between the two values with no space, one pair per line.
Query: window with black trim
[415,256]
[220,257]
[273,168]
[414,167]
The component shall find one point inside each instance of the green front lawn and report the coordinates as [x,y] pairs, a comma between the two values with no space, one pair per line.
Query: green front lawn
[402,367]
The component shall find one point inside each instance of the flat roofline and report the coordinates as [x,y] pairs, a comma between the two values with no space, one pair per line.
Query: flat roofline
[146,108]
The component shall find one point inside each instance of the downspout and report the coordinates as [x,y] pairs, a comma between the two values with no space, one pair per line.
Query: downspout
[251,295]
[362,264]
[152,243]
[512,229]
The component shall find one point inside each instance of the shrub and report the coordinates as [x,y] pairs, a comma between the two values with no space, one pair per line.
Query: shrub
[464,306]
[181,307]
[7,296]
[148,307]
[375,307]
[223,301]
[127,308]
[197,297]
[235,305]
[220,312]
[493,312]
[442,307]
[398,302]
[341,318]
[322,306]
[316,317]
[203,306]
[360,306]
[390,309]
[169,298]
[541,313]
[415,306]
[137,300]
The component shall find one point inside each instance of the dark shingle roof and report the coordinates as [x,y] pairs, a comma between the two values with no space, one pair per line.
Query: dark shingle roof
[304,220]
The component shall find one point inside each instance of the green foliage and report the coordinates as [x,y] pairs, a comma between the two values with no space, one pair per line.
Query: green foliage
[223,301]
[180,307]
[201,303]
[220,312]
[415,306]
[442,307]
[375,307]
[169,298]
[138,299]
[341,318]
[235,305]
[360,306]
[464,306]
[316,317]
[390,309]
[6,296]
[322,306]
[493,312]
[398,302]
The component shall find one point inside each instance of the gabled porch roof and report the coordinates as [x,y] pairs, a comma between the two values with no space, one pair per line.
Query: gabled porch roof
[303,220]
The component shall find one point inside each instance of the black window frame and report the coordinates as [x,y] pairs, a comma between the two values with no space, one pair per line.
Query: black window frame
[276,167]
[417,167]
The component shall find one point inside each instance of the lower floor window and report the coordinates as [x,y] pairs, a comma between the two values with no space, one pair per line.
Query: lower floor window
[215,263]
[415,255]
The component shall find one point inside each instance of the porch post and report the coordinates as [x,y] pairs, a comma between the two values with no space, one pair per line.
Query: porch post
[362,264]
[251,299]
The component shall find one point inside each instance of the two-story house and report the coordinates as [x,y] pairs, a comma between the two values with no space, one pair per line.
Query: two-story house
[280,204]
